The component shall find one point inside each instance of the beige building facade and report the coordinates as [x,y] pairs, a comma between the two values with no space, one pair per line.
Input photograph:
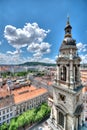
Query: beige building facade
[66,113]
[15,102]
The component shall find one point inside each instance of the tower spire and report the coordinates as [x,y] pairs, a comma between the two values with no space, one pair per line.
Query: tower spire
[68,28]
[66,109]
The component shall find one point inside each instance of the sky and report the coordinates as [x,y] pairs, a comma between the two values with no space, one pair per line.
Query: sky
[33,30]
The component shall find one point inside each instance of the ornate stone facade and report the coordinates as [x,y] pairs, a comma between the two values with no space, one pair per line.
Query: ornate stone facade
[66,113]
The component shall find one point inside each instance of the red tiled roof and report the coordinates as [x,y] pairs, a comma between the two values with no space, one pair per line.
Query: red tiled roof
[19,95]
[84,89]
[29,93]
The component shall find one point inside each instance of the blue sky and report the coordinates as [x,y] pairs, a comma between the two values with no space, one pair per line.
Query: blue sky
[33,30]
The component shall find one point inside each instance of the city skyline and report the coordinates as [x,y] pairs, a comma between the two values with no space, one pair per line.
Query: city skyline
[33,30]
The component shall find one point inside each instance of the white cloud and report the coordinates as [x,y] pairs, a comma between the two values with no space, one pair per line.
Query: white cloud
[33,47]
[14,52]
[37,55]
[44,47]
[39,49]
[82,47]
[48,60]
[56,57]
[9,59]
[0,42]
[30,36]
[30,33]
[83,58]
[17,59]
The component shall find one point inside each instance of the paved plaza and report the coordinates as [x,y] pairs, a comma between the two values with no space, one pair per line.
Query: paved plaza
[45,126]
[42,126]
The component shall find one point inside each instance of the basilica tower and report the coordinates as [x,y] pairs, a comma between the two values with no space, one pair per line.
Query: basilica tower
[66,113]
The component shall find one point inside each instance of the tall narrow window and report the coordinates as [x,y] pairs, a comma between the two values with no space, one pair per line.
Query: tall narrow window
[76,73]
[63,73]
[61,119]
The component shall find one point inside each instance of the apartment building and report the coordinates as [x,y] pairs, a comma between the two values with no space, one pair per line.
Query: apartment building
[83,75]
[14,102]
[84,92]
[84,98]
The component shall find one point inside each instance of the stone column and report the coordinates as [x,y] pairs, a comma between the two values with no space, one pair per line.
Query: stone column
[74,76]
[67,76]
[76,123]
[79,80]
[73,124]
[64,122]
[56,117]
[58,73]
[74,72]
[51,114]
[80,120]
[61,72]
[71,75]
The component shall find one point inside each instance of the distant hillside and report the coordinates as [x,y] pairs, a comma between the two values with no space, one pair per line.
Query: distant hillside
[38,63]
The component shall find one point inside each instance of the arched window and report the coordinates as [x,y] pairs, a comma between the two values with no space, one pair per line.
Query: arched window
[61,119]
[76,74]
[63,73]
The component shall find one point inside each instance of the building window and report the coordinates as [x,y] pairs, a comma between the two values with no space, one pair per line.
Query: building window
[10,114]
[62,97]
[24,109]
[3,112]
[3,117]
[7,121]
[20,110]
[7,115]
[8,110]
[61,119]
[76,74]
[63,73]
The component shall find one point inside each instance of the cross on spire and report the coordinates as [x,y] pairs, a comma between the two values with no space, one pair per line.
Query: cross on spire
[68,20]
